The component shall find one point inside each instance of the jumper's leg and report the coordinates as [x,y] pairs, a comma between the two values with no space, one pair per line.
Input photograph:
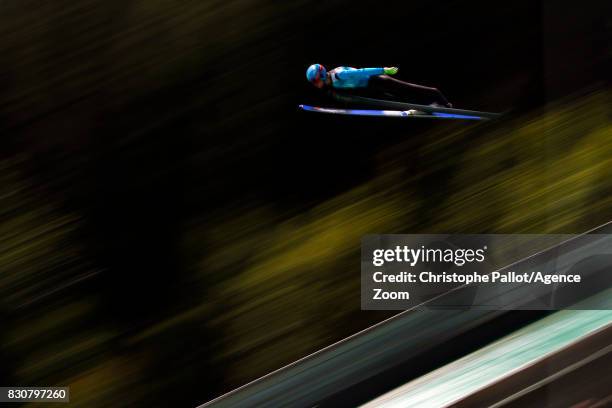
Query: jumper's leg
[418,93]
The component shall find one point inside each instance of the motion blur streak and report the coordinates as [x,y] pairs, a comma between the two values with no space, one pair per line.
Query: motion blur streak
[171,227]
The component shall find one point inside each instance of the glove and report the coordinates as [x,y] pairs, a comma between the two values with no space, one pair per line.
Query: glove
[390,70]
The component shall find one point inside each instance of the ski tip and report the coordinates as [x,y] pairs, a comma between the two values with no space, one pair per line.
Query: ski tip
[307,108]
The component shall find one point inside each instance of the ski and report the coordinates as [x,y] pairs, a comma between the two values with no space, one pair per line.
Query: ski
[403,106]
[411,113]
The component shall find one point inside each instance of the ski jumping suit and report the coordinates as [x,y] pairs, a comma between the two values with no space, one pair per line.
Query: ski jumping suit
[374,78]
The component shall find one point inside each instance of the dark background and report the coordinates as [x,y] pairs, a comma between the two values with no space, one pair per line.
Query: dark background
[133,132]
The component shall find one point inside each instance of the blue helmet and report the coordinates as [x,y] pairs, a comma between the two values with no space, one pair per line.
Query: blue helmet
[316,73]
